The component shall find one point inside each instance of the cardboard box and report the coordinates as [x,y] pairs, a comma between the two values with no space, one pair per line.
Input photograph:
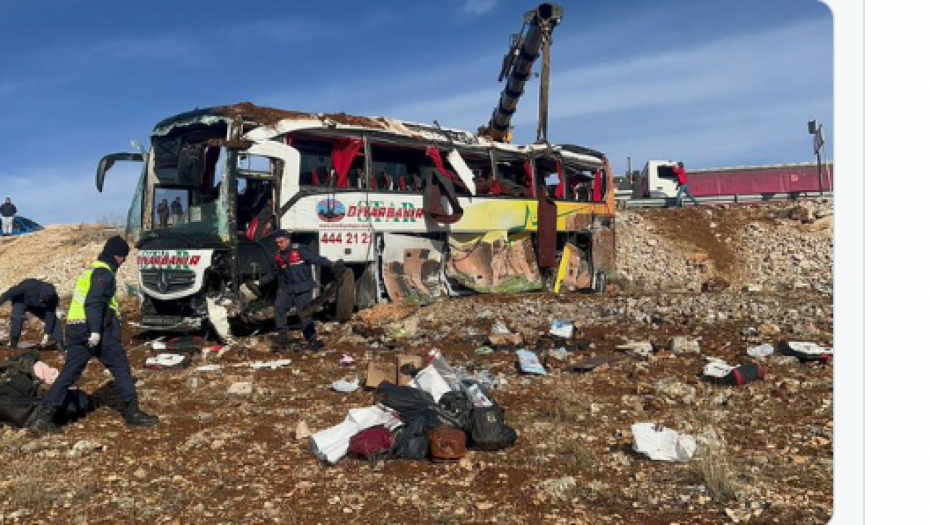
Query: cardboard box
[415,360]
[390,372]
[379,372]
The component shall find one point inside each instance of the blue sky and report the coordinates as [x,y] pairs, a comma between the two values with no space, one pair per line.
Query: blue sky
[713,83]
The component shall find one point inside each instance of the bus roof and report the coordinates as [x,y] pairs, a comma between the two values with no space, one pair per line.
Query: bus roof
[267,123]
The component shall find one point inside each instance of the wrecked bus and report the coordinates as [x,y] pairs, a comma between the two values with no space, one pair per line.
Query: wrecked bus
[414,211]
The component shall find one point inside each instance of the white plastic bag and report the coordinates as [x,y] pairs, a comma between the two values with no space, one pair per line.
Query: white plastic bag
[332,444]
[717,368]
[662,444]
[431,381]
[764,350]
[345,386]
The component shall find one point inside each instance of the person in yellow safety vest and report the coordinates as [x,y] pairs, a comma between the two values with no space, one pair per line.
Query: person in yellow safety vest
[94,331]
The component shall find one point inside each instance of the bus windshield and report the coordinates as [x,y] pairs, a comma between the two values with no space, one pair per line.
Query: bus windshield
[185,193]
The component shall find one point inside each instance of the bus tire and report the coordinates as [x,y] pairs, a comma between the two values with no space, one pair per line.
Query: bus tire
[345,297]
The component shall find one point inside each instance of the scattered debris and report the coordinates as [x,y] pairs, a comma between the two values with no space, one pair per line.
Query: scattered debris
[805,351]
[241,388]
[302,431]
[270,365]
[763,350]
[684,345]
[529,363]
[167,361]
[594,363]
[662,444]
[719,372]
[563,329]
[642,348]
[345,386]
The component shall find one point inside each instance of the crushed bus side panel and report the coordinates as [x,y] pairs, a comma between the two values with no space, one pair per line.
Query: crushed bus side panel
[494,262]
[411,268]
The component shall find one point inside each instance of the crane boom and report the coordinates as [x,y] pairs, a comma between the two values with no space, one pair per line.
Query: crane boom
[534,37]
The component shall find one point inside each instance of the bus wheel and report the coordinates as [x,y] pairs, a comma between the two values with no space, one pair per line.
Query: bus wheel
[345,296]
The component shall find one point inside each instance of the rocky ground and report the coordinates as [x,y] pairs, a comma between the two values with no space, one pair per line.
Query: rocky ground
[715,281]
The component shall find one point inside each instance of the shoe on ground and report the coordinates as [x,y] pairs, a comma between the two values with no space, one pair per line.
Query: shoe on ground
[133,416]
[44,421]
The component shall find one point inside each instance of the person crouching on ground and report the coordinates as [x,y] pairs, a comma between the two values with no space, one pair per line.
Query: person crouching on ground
[94,331]
[41,300]
[295,286]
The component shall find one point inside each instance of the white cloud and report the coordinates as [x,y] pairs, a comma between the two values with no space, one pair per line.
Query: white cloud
[66,193]
[477,7]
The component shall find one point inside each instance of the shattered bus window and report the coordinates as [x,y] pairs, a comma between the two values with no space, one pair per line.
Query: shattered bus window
[512,176]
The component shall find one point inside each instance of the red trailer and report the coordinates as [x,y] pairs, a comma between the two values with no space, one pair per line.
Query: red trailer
[755,180]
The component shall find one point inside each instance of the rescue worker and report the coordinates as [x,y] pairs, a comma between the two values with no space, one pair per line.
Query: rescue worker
[41,300]
[94,331]
[295,286]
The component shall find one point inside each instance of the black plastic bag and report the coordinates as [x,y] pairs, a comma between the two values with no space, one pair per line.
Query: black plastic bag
[488,431]
[411,441]
[407,401]
[455,410]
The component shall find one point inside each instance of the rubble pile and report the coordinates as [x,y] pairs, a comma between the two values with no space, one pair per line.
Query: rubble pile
[793,254]
[648,262]
[774,248]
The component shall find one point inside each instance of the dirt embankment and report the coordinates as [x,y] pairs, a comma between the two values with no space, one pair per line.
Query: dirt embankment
[58,254]
[776,248]
[764,449]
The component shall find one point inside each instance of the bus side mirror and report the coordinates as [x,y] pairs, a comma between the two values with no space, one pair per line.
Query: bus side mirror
[107,162]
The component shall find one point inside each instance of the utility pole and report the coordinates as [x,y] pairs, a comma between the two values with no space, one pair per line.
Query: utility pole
[816,129]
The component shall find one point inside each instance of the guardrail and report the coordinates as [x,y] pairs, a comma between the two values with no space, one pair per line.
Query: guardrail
[625,202]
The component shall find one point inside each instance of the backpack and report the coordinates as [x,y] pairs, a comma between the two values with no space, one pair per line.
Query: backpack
[446,443]
[488,431]
[370,443]
[743,374]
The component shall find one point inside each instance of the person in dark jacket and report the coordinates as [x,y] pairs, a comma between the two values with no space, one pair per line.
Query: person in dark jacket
[164,211]
[295,286]
[94,331]
[177,210]
[7,214]
[41,300]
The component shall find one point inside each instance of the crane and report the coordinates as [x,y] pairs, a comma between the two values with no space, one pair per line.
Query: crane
[535,37]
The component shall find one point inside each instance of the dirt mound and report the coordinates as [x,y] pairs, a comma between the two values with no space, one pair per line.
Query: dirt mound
[775,247]
[58,254]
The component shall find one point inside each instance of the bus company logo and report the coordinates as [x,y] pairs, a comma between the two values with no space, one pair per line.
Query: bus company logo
[330,210]
[379,211]
[167,259]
